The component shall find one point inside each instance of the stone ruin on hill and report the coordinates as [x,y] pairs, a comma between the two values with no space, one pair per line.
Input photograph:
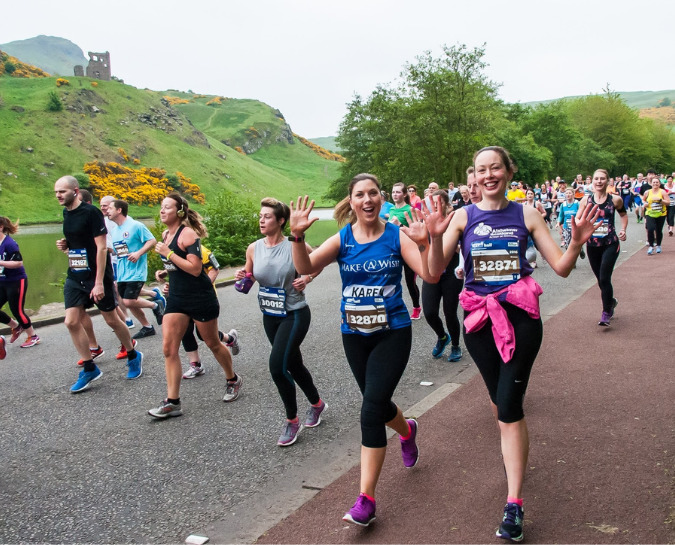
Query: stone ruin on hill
[98,67]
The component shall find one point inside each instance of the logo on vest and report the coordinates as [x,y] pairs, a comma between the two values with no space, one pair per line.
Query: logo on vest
[482,230]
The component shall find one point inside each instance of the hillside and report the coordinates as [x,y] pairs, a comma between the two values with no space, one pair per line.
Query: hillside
[39,146]
[57,56]
[635,99]
[327,142]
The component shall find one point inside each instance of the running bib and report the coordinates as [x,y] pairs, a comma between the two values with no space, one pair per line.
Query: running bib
[121,248]
[77,260]
[671,196]
[657,207]
[168,265]
[602,230]
[496,262]
[366,315]
[272,301]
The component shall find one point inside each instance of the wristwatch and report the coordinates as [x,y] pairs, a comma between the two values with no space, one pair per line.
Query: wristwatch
[297,239]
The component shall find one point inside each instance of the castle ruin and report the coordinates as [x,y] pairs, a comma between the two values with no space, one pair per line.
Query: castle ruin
[99,66]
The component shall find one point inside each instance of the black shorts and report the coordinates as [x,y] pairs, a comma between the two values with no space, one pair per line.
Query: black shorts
[200,309]
[129,290]
[76,294]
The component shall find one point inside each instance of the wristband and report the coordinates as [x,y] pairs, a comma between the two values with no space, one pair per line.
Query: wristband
[168,256]
[297,239]
[310,277]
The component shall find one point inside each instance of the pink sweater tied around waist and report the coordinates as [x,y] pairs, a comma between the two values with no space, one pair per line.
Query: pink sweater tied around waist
[523,294]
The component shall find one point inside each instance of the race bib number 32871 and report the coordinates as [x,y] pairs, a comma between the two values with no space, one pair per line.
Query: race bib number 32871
[496,262]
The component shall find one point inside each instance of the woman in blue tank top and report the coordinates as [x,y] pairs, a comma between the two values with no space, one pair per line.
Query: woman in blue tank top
[376,327]
[500,292]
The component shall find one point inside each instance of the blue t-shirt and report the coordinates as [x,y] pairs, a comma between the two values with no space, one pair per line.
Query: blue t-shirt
[566,212]
[372,297]
[384,211]
[127,238]
[9,251]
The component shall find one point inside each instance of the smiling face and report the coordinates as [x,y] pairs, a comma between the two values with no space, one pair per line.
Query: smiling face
[600,181]
[492,174]
[366,200]
[656,183]
[530,195]
[167,212]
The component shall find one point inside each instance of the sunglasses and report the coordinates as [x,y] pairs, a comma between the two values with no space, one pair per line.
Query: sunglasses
[411,190]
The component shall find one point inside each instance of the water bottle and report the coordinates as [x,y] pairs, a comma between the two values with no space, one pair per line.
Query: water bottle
[244,285]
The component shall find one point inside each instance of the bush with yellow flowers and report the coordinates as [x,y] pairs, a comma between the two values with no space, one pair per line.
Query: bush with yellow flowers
[176,100]
[13,67]
[94,83]
[322,152]
[147,185]
[215,101]
[60,82]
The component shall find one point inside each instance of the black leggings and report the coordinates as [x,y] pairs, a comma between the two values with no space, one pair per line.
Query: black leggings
[448,289]
[410,281]
[377,362]
[655,229]
[507,382]
[286,367]
[15,293]
[602,260]
[671,216]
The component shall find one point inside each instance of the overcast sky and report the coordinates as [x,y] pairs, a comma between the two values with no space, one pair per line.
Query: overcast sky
[309,57]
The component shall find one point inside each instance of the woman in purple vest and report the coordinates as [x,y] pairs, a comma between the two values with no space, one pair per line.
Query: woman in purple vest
[503,338]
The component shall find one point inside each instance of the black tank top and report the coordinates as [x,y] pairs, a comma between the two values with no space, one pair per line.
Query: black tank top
[182,283]
[606,233]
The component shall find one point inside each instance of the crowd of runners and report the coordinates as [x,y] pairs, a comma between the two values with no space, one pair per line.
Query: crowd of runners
[474,246]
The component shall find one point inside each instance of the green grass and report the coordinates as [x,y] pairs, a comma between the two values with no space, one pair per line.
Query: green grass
[320,231]
[64,141]
[327,142]
[634,99]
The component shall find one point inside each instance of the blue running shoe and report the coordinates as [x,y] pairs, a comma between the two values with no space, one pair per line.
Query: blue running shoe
[135,366]
[130,323]
[85,379]
[512,524]
[159,297]
[441,343]
[455,353]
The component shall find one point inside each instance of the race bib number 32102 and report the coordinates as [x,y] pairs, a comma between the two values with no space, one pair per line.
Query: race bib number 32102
[496,262]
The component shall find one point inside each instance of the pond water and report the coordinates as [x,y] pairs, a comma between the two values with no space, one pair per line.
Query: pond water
[46,266]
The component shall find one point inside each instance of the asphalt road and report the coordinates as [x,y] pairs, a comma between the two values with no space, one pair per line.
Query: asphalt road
[94,467]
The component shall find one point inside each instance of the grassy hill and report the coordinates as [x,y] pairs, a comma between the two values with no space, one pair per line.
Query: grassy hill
[327,142]
[57,56]
[634,99]
[38,146]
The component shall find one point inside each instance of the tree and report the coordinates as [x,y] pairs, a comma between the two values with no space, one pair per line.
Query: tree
[424,128]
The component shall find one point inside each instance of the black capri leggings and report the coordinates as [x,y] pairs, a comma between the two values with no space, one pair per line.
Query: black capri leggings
[507,382]
[670,218]
[410,278]
[602,260]
[15,293]
[286,367]
[655,229]
[448,289]
[377,362]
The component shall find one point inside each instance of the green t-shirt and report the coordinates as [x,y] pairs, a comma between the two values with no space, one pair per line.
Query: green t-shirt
[400,213]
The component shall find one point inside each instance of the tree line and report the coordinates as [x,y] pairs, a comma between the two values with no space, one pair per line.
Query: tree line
[427,125]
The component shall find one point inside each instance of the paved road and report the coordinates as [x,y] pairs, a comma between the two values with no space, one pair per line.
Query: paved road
[95,467]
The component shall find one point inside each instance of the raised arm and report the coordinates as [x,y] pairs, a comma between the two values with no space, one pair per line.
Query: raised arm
[324,255]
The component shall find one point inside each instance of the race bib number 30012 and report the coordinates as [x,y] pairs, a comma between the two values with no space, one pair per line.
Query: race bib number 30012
[496,262]
[272,301]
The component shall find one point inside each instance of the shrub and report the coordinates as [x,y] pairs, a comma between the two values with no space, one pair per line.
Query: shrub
[232,224]
[82,179]
[10,67]
[61,82]
[54,104]
[94,83]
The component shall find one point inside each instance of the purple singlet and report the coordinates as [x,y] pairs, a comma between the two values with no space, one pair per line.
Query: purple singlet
[493,246]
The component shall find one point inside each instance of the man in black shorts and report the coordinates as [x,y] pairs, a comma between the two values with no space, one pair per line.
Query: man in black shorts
[89,281]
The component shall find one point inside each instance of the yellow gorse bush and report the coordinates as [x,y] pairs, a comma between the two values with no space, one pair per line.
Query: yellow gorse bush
[323,152]
[61,82]
[176,100]
[21,69]
[147,185]
[216,100]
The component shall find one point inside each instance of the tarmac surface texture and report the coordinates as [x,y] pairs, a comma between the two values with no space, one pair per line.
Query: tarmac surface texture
[95,468]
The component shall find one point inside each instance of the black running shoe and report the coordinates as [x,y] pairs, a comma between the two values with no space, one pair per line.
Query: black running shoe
[512,523]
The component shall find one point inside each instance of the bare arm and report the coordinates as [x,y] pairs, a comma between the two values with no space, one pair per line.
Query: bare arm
[618,205]
[324,255]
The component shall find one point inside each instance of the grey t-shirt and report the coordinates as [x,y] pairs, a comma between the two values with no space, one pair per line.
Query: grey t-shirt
[273,268]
